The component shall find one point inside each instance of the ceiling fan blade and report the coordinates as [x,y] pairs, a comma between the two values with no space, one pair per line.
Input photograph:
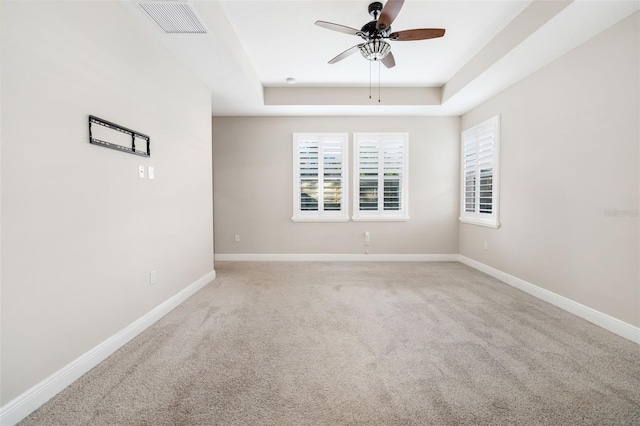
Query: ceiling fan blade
[338,27]
[350,51]
[417,34]
[388,14]
[389,61]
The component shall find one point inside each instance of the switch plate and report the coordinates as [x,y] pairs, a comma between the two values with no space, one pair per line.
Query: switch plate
[150,173]
[141,172]
[153,277]
[237,238]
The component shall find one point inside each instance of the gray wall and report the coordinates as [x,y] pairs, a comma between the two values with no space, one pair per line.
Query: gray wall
[80,230]
[252,174]
[570,136]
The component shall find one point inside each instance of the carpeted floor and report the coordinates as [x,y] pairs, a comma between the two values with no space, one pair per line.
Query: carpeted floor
[315,343]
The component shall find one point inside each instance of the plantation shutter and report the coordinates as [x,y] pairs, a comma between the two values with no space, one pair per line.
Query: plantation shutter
[332,172]
[319,177]
[479,193]
[368,173]
[309,171]
[393,165]
[470,171]
[380,186]
[485,170]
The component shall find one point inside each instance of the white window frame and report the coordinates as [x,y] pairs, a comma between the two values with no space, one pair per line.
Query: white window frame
[471,163]
[381,140]
[321,215]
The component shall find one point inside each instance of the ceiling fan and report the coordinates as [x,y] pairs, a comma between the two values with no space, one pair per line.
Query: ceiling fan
[376,32]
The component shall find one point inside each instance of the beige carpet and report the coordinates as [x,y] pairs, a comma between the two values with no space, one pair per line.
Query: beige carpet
[359,344]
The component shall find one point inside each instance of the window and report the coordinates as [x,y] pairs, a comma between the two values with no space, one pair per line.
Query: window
[319,178]
[380,176]
[479,192]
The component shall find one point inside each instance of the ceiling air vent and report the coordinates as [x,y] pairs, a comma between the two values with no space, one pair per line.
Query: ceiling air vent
[174,17]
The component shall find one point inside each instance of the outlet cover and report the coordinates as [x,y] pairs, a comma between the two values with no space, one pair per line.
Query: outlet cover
[153,277]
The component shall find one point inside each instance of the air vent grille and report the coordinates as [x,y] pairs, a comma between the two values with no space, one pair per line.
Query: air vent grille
[174,17]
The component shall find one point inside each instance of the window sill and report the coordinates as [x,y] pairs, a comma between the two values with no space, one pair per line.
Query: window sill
[489,224]
[320,219]
[380,219]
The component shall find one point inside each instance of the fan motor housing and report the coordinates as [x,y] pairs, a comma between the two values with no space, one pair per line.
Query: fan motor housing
[371,32]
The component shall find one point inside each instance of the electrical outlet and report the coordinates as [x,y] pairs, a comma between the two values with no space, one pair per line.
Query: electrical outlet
[486,245]
[153,277]
[237,238]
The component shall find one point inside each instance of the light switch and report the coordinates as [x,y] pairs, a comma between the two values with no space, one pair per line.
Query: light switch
[141,172]
[150,174]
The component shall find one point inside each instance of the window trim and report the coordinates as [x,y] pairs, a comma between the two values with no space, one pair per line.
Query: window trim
[321,215]
[491,220]
[401,215]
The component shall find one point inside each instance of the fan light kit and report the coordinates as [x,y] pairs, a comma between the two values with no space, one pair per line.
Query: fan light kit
[376,32]
[375,50]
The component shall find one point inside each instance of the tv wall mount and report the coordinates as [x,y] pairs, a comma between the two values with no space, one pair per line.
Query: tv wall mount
[114,136]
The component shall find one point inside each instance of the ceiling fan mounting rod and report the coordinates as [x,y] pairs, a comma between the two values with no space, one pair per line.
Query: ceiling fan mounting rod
[374,9]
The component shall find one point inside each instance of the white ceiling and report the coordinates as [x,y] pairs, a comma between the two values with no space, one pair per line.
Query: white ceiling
[252,47]
[294,47]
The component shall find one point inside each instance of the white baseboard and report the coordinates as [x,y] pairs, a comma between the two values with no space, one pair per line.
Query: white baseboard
[338,257]
[32,399]
[598,318]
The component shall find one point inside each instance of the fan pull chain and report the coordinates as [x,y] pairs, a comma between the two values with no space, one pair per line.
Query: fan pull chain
[370,79]
[378,81]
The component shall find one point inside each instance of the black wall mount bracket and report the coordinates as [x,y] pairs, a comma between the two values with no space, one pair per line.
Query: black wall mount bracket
[119,138]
